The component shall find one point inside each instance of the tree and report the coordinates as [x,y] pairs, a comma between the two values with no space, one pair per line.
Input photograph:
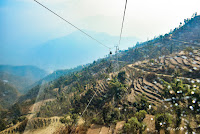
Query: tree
[141,115]
[69,120]
[16,110]
[188,49]
[150,77]
[2,125]
[117,90]
[116,113]
[163,121]
[107,109]
[122,76]
[133,126]
[142,104]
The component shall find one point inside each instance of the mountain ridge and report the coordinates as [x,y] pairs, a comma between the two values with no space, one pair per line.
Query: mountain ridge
[58,53]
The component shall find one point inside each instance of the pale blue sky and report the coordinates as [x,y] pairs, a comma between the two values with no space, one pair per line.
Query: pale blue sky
[25,22]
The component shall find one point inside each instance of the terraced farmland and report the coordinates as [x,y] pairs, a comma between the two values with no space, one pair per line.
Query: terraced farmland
[182,65]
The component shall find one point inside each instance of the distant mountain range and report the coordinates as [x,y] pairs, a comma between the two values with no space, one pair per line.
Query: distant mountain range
[21,77]
[65,52]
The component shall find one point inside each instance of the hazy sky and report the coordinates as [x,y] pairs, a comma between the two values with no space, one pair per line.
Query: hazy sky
[25,22]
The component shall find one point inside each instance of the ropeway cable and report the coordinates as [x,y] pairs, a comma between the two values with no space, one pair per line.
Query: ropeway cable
[72,24]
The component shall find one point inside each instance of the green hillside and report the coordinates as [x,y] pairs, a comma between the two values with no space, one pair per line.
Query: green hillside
[155,89]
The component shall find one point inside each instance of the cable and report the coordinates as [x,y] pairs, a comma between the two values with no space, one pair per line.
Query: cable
[117,47]
[95,93]
[122,22]
[71,24]
[89,103]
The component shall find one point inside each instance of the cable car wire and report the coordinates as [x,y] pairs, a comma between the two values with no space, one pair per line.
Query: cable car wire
[117,47]
[122,23]
[72,24]
[95,93]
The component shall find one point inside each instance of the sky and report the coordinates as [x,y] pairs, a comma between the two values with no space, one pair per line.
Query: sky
[26,23]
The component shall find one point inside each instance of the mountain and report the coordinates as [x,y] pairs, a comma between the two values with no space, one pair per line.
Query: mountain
[65,52]
[21,76]
[75,49]
[155,89]
[55,75]
[8,95]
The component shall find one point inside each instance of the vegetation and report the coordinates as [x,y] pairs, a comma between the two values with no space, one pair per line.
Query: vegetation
[2,124]
[8,95]
[133,126]
[130,95]
[141,115]
[163,121]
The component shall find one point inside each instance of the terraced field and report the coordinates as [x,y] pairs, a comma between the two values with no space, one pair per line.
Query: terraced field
[182,65]
[185,62]
[35,124]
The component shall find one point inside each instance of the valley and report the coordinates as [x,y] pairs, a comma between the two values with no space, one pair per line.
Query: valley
[154,89]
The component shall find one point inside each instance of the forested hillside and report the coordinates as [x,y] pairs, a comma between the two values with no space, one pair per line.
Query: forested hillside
[154,89]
